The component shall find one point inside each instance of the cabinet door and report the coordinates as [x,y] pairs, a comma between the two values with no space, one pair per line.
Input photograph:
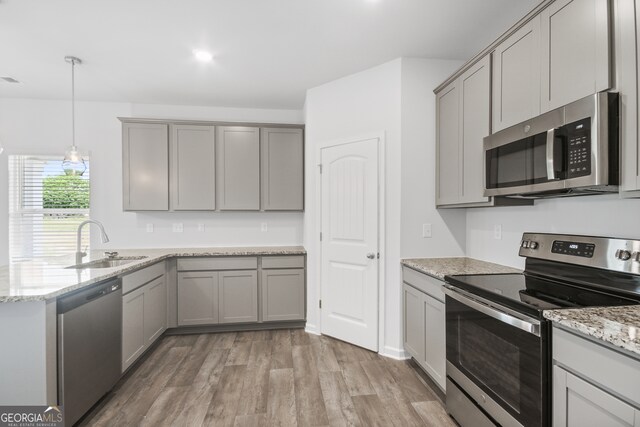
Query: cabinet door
[577,403]
[197,298]
[575,51]
[475,104]
[238,168]
[282,160]
[155,309]
[133,337]
[193,168]
[238,296]
[448,146]
[413,302]
[516,77]
[145,156]
[435,353]
[282,295]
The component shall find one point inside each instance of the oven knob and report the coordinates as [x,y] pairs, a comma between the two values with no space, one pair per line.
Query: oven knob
[525,244]
[623,255]
[533,245]
[635,256]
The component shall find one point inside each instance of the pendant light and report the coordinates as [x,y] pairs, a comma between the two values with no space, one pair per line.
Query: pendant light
[73,163]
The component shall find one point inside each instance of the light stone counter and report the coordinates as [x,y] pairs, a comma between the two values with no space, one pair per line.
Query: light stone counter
[440,267]
[45,279]
[619,326]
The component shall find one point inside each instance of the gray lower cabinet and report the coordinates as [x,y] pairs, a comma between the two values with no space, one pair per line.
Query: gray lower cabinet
[593,384]
[238,168]
[282,171]
[144,313]
[192,165]
[198,298]
[283,294]
[145,158]
[424,334]
[238,296]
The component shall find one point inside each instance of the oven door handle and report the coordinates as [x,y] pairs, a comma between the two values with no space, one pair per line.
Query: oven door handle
[529,326]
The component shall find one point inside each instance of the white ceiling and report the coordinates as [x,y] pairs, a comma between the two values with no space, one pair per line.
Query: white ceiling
[267,52]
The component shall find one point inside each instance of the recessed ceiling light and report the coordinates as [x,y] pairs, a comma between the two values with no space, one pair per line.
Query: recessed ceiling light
[202,55]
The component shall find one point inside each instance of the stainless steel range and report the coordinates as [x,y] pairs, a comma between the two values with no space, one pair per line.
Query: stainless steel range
[498,342]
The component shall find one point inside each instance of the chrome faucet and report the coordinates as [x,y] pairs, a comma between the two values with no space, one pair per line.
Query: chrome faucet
[79,253]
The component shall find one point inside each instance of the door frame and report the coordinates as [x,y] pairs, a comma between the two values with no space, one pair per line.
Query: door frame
[380,136]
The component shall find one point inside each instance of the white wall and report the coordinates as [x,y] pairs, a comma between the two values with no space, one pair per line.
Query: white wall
[43,127]
[419,77]
[395,99]
[590,215]
[361,104]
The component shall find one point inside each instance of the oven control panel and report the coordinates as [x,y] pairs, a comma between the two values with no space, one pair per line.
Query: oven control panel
[573,248]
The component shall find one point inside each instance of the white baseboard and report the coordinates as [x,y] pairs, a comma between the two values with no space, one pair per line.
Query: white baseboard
[312,329]
[394,353]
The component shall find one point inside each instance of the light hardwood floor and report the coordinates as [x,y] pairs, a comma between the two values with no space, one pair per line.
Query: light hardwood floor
[268,378]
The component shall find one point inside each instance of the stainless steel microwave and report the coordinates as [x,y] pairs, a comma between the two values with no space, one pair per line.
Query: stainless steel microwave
[569,151]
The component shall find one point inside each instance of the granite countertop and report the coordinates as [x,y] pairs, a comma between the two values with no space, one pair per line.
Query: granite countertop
[619,326]
[440,267]
[45,279]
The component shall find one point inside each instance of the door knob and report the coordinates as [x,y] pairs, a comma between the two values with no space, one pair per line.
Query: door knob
[371,255]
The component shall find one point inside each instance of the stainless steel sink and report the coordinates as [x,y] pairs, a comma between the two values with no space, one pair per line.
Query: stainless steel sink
[108,262]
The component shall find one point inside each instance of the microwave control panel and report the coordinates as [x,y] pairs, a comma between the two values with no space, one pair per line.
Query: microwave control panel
[578,148]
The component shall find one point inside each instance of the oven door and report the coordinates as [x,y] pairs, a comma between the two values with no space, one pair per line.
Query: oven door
[499,358]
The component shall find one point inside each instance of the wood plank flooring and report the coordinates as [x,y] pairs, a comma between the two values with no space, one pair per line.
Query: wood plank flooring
[268,378]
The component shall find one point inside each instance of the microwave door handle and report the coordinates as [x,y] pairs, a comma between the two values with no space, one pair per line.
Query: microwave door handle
[551,173]
[529,327]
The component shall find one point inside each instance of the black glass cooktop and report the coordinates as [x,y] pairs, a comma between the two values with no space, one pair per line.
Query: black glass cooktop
[533,294]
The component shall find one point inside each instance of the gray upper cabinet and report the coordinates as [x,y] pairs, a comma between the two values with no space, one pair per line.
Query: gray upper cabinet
[238,168]
[282,158]
[282,294]
[463,120]
[193,180]
[238,295]
[516,77]
[447,145]
[575,39]
[145,155]
[475,102]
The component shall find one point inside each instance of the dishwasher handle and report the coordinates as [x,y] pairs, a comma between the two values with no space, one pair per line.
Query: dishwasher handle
[85,296]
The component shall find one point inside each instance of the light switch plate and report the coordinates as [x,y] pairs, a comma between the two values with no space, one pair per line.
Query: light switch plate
[201,228]
[497,232]
[149,228]
[426,230]
[263,227]
[178,227]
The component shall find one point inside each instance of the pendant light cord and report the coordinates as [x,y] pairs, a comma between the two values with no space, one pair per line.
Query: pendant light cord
[73,103]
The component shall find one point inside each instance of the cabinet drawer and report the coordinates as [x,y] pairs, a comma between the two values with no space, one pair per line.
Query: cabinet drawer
[287,261]
[222,263]
[138,278]
[598,363]
[424,283]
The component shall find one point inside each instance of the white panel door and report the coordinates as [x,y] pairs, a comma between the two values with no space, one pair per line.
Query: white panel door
[350,243]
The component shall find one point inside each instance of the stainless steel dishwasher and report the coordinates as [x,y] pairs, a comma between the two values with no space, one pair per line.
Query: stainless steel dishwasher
[89,347]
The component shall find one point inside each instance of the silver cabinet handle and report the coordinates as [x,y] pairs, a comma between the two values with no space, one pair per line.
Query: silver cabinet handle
[371,255]
[532,326]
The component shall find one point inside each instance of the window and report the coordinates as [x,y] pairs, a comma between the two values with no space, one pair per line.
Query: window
[45,207]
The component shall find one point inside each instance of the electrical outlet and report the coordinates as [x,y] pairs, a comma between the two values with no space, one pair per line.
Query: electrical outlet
[426,230]
[178,227]
[149,228]
[263,227]
[201,228]
[497,232]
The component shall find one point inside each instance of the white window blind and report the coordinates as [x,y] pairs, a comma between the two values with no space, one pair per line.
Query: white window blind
[45,207]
